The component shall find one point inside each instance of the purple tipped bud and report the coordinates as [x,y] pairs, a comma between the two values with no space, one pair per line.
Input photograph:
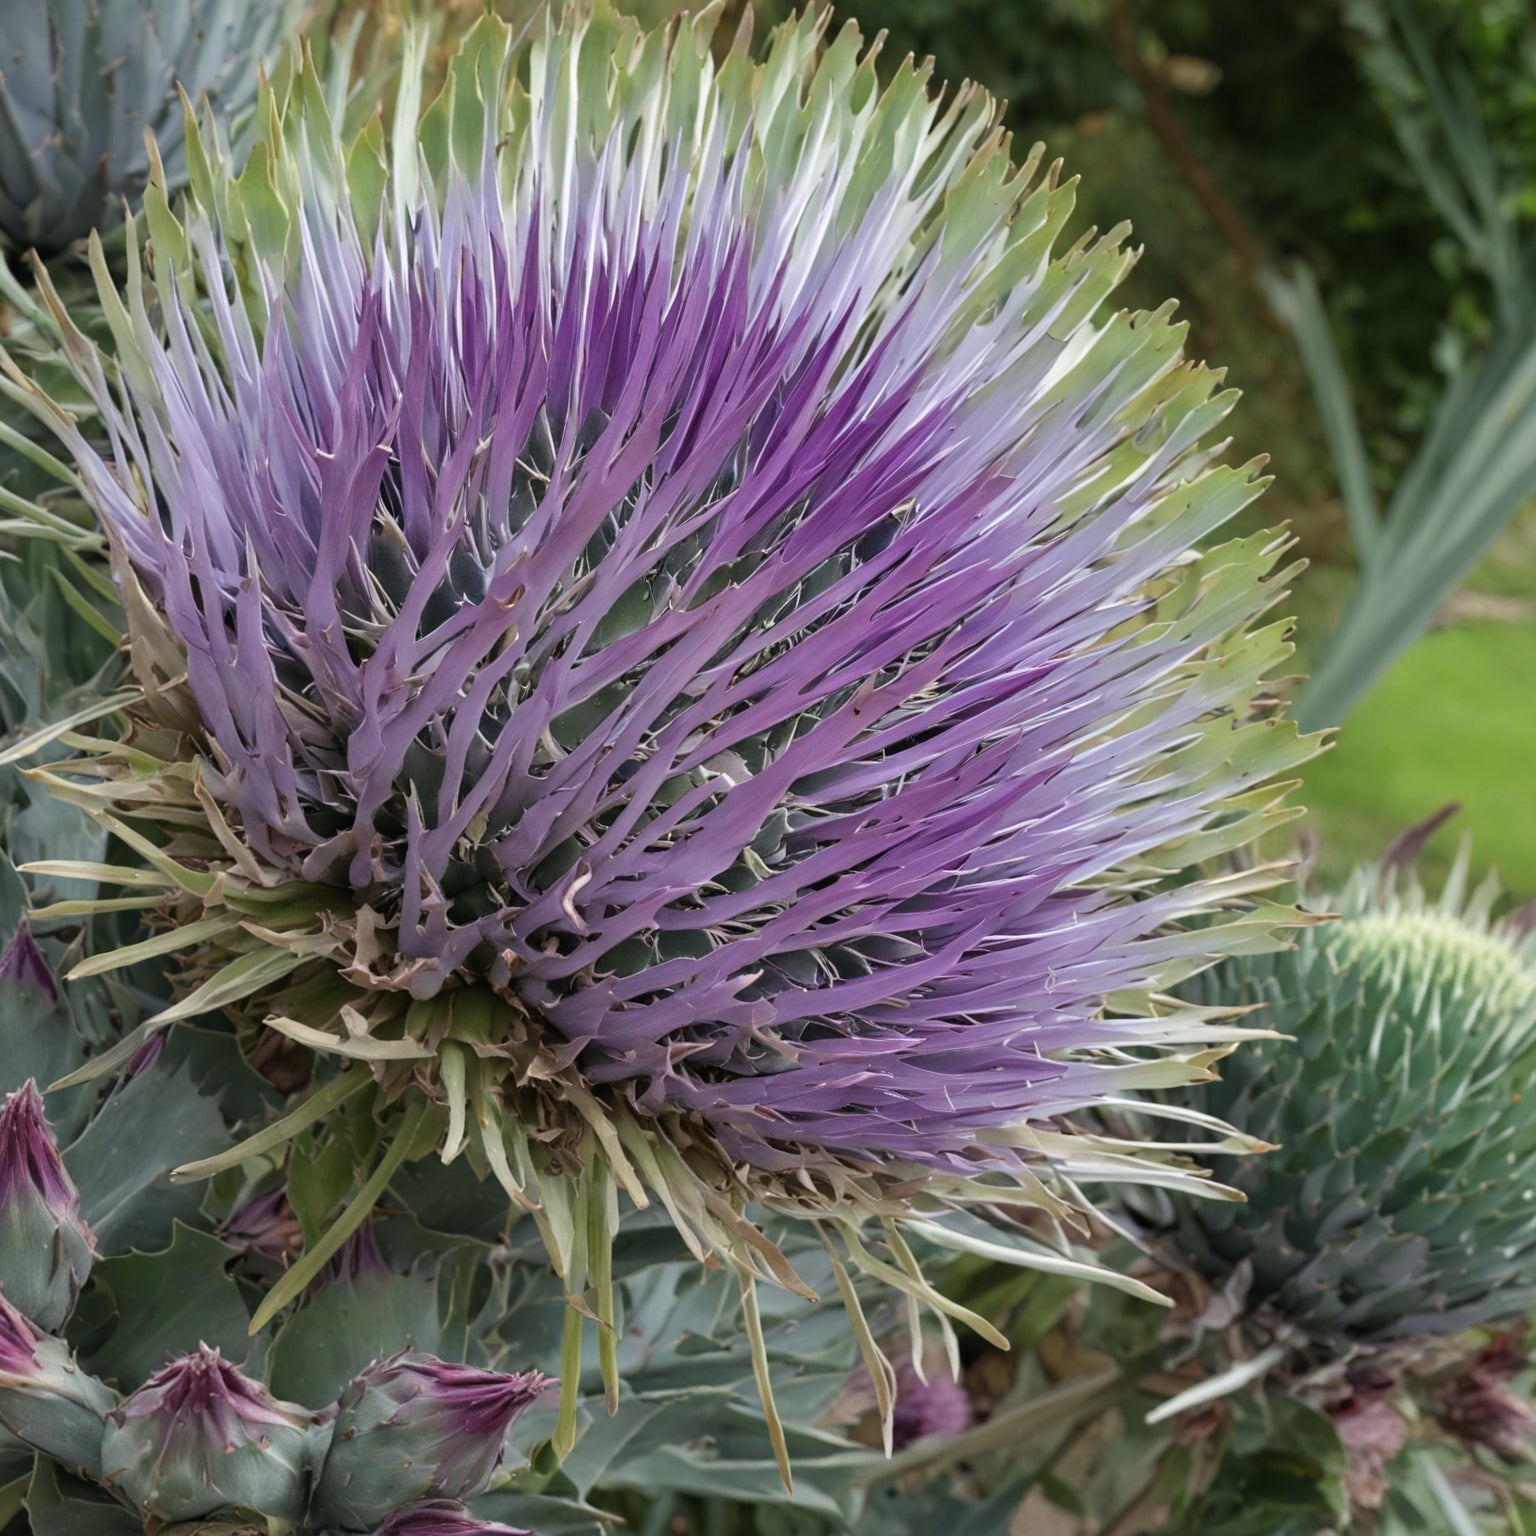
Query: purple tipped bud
[357,1260]
[45,1398]
[441,1517]
[938,1406]
[200,1437]
[266,1225]
[144,1058]
[22,965]
[45,1248]
[414,1427]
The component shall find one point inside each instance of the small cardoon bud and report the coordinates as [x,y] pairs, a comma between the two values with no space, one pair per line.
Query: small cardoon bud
[45,1398]
[357,1261]
[414,1427]
[268,1226]
[938,1406]
[22,966]
[1477,1405]
[200,1437]
[441,1517]
[45,1248]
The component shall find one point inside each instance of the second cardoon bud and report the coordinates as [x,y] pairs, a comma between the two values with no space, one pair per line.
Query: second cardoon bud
[414,1428]
[45,1398]
[200,1437]
[45,1248]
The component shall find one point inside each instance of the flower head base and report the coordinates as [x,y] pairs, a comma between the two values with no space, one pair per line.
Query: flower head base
[441,1517]
[694,667]
[200,1437]
[414,1427]
[45,1248]
[1398,1204]
[45,1398]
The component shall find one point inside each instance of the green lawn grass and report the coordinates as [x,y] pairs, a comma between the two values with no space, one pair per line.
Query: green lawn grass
[1455,719]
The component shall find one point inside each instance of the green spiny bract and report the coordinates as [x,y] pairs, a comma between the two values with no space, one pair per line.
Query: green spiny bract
[1400,1201]
[81,81]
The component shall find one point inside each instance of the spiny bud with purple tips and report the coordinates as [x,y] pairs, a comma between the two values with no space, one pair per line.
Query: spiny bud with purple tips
[45,1398]
[22,965]
[45,1248]
[414,1427]
[441,1517]
[200,1437]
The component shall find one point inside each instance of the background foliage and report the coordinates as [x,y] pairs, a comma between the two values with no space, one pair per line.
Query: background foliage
[1236,137]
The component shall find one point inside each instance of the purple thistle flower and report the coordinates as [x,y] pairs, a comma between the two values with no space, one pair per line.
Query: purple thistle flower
[441,1517]
[46,1249]
[199,1437]
[22,964]
[705,619]
[414,1427]
[45,1398]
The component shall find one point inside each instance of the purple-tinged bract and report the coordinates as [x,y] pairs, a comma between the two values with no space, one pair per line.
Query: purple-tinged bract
[692,636]
[46,1249]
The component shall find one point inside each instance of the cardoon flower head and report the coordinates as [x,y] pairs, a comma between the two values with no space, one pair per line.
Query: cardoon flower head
[414,1427]
[1398,1206]
[45,1398]
[45,1248]
[200,1437]
[441,1517]
[680,638]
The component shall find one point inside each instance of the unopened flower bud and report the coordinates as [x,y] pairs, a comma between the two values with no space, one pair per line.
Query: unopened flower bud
[937,1406]
[414,1427]
[200,1437]
[441,1517]
[45,1248]
[358,1261]
[266,1225]
[46,1399]
[23,968]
